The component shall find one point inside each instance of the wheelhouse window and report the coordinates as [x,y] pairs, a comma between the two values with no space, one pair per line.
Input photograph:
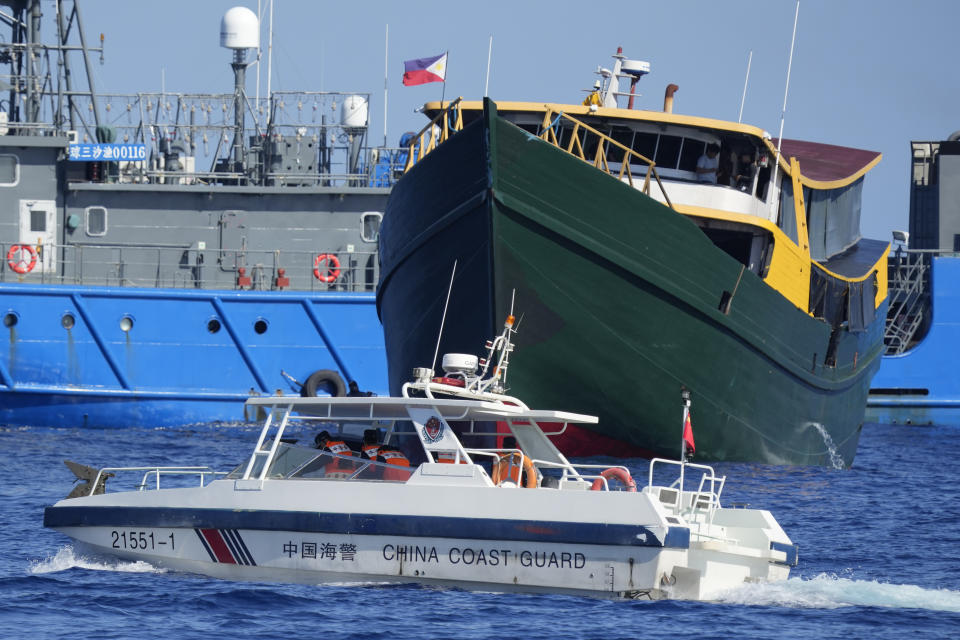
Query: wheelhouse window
[370,226]
[668,151]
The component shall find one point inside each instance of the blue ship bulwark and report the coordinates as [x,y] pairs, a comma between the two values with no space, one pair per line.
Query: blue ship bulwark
[921,386]
[116,357]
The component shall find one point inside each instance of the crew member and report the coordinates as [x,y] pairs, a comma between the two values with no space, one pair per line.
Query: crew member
[371,444]
[354,391]
[393,456]
[336,468]
[708,164]
[594,100]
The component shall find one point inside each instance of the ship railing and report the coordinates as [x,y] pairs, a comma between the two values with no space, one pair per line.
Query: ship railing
[436,132]
[595,148]
[908,296]
[185,266]
[704,501]
[151,475]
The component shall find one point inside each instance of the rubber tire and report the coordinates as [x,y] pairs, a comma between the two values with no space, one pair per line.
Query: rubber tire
[323,380]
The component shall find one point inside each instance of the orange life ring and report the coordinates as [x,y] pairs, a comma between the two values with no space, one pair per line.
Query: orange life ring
[332,270]
[618,473]
[507,467]
[16,261]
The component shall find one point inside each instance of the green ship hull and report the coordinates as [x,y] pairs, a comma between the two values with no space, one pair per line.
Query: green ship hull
[619,300]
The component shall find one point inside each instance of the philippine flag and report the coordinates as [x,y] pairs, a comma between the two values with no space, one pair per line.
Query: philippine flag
[423,70]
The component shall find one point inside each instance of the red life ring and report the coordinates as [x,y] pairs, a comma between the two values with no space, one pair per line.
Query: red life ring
[619,474]
[16,261]
[332,270]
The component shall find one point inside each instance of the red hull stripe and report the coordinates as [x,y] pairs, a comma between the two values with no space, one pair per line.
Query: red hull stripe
[218,546]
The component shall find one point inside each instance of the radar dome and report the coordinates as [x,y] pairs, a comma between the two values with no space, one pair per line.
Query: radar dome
[240,29]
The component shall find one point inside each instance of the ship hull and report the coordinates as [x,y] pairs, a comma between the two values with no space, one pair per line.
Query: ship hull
[170,367]
[618,299]
[920,386]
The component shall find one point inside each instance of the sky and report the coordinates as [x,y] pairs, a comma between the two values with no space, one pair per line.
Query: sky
[871,74]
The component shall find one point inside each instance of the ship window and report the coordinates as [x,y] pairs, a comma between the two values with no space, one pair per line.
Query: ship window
[96,221]
[38,221]
[9,170]
[370,226]
[645,144]
[622,135]
[260,326]
[668,151]
[692,150]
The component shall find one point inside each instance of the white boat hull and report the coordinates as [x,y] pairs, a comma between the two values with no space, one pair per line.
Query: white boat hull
[292,556]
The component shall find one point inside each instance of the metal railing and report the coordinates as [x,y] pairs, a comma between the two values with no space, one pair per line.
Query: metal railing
[908,292]
[436,132]
[593,147]
[704,501]
[183,266]
[156,472]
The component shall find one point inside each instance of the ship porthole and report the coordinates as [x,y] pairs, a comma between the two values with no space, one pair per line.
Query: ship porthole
[213,325]
[11,319]
[260,326]
[126,323]
[68,321]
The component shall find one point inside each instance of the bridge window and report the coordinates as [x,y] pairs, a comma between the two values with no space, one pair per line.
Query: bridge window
[668,151]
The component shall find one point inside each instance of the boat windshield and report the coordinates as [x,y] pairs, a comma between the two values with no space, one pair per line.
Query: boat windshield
[302,462]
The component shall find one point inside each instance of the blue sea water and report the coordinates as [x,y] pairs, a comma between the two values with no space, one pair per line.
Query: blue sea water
[879,558]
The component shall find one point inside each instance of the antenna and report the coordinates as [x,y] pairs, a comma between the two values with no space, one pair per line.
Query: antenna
[745,81]
[433,365]
[486,85]
[783,113]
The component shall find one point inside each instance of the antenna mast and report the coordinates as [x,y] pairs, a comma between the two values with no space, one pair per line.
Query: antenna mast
[783,114]
[433,365]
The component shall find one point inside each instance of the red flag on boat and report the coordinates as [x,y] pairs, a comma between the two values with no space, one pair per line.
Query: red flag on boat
[689,447]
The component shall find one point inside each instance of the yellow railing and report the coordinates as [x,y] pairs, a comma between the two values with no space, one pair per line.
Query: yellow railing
[445,123]
[580,140]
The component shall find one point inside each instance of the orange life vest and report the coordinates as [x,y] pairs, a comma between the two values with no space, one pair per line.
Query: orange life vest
[396,458]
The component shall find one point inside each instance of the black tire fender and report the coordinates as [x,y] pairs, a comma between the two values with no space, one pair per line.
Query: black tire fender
[324,380]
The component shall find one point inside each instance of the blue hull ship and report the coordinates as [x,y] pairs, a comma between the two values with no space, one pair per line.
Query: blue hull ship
[168,255]
[917,382]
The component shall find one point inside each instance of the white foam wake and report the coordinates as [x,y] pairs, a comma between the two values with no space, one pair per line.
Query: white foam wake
[827,591]
[67,558]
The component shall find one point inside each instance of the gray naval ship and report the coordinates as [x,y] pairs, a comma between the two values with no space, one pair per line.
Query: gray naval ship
[168,255]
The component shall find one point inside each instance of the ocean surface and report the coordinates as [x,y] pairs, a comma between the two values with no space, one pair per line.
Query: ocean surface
[879,558]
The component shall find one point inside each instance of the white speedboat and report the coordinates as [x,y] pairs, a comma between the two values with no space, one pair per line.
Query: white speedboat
[517,517]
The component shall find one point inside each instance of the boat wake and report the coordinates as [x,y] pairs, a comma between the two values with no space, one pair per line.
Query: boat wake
[828,591]
[67,558]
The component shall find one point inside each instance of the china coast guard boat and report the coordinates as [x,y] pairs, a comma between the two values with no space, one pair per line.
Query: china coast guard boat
[518,518]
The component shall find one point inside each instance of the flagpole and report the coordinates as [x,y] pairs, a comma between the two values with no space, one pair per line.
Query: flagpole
[443,93]
[685,395]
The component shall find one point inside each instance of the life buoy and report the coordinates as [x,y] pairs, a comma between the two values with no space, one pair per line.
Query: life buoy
[507,467]
[331,270]
[615,472]
[16,261]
